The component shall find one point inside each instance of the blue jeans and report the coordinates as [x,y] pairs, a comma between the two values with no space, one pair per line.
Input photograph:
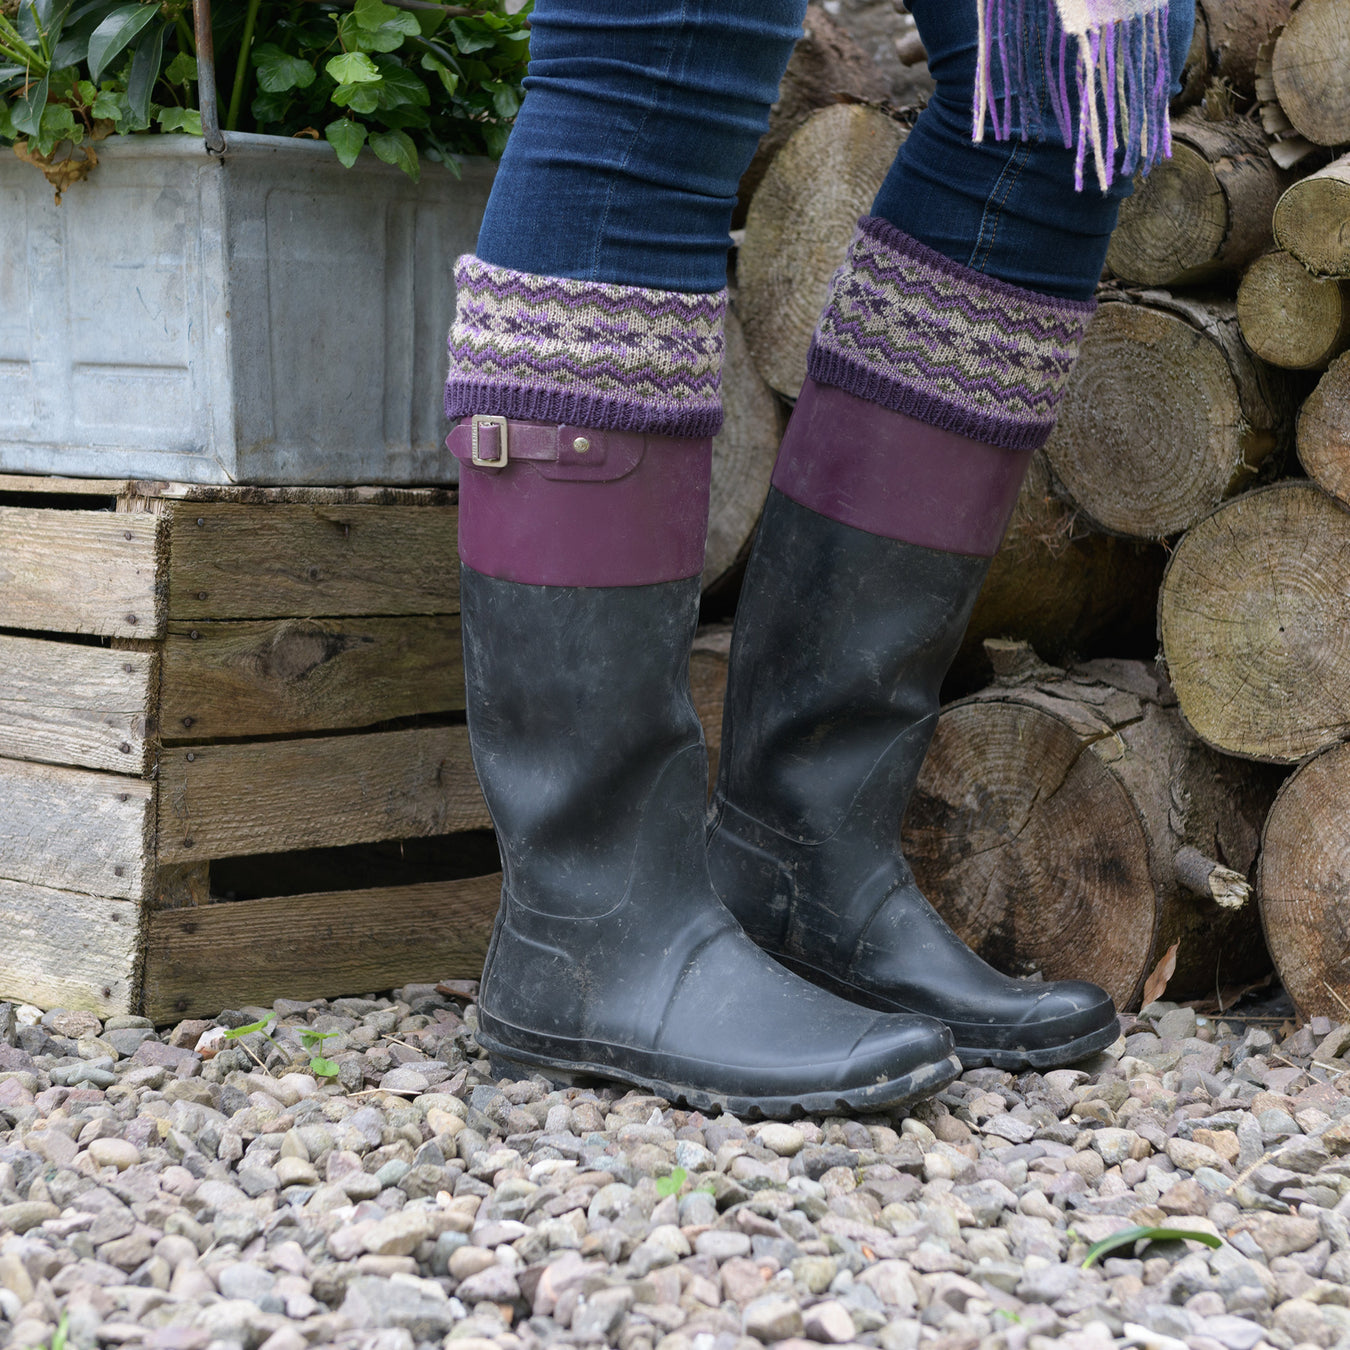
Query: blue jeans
[641,116]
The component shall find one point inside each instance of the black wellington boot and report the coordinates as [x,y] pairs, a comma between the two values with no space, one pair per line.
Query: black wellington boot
[842,638]
[612,954]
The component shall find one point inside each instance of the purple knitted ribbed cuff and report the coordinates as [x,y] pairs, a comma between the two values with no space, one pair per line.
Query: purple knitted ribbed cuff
[585,353]
[913,331]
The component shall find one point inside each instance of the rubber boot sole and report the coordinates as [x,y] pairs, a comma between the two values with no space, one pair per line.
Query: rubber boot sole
[1016,1059]
[892,1094]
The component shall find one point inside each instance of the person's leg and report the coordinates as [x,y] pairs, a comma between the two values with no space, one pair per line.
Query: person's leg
[936,369]
[585,359]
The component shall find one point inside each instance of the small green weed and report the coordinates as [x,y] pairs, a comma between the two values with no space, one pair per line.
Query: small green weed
[673,1183]
[1127,1237]
[312,1041]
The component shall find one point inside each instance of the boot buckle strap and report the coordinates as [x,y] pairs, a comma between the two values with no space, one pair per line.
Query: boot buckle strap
[488,422]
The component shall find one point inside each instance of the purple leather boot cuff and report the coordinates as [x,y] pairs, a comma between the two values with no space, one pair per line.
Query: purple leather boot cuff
[552,505]
[884,472]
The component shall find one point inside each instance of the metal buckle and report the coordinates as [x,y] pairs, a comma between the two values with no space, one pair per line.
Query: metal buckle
[487,420]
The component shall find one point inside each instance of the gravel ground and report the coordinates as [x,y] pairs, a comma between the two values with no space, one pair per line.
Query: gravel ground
[183,1192]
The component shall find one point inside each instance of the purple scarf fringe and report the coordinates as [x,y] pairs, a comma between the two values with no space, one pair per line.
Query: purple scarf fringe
[1120,75]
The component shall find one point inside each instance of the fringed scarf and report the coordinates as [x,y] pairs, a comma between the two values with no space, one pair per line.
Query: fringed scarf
[1120,69]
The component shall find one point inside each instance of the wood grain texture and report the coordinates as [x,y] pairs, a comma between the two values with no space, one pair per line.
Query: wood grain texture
[1204,211]
[1253,617]
[235,561]
[1165,415]
[1304,884]
[744,452]
[708,687]
[1312,220]
[75,830]
[1308,66]
[1058,585]
[1062,858]
[798,229]
[1323,435]
[233,800]
[65,703]
[284,676]
[1233,32]
[315,946]
[1290,317]
[79,572]
[64,950]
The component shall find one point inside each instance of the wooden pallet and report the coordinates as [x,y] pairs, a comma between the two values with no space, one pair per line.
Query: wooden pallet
[233,763]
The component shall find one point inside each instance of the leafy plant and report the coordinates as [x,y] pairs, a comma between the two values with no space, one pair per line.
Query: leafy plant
[673,1183]
[312,1041]
[1128,1237]
[410,79]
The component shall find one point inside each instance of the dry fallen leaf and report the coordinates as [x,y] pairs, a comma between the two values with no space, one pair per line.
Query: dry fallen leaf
[1156,984]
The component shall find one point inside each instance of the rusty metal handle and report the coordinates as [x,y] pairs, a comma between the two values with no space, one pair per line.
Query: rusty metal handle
[206,77]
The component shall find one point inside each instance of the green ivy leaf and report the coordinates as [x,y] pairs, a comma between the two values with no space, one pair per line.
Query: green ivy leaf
[346,137]
[323,1068]
[115,33]
[182,69]
[352,68]
[360,98]
[278,72]
[505,100]
[58,124]
[1127,1237]
[397,148]
[27,111]
[470,37]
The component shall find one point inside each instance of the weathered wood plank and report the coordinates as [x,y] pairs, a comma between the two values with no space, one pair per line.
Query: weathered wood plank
[232,561]
[232,800]
[75,830]
[79,572]
[223,492]
[312,946]
[47,485]
[273,677]
[66,703]
[64,950]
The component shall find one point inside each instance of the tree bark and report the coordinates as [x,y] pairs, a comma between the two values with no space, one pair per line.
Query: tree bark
[1324,431]
[743,457]
[1233,31]
[1253,617]
[1059,586]
[798,228]
[1290,317]
[827,66]
[1312,220]
[1049,818]
[1202,213]
[1305,862]
[1308,67]
[1165,415]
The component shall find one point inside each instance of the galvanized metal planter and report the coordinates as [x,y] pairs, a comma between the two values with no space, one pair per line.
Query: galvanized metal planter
[258,316]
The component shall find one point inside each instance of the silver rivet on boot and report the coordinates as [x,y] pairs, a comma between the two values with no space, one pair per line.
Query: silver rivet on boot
[581,445]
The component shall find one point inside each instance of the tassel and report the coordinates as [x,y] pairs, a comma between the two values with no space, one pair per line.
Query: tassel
[1120,75]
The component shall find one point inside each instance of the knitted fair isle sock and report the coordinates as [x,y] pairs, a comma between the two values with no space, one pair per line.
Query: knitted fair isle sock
[585,353]
[913,331]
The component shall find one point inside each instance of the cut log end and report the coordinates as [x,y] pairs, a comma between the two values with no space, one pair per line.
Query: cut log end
[1164,416]
[1308,65]
[1312,220]
[1254,617]
[1290,317]
[1324,431]
[1305,863]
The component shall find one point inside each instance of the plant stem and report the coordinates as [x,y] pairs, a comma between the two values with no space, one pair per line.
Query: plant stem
[186,35]
[241,67]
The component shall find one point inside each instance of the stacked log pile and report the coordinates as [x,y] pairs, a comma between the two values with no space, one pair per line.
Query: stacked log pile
[1181,548]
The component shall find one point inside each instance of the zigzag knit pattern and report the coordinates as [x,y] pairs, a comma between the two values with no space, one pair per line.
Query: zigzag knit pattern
[586,353]
[912,330]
